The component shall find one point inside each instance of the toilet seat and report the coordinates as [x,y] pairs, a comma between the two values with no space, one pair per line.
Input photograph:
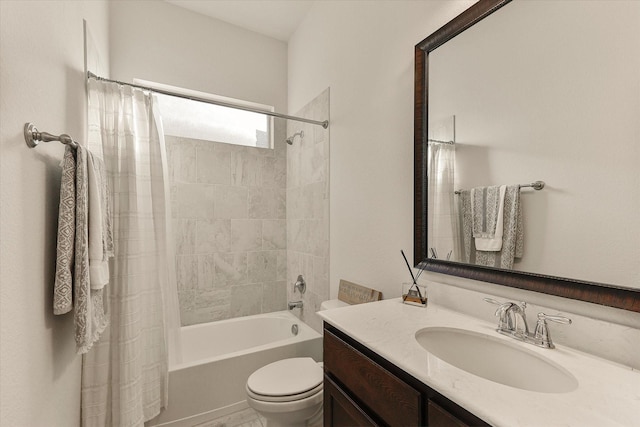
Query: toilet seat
[286,380]
[287,398]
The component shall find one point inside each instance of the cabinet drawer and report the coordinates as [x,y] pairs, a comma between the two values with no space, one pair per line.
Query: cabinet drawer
[394,401]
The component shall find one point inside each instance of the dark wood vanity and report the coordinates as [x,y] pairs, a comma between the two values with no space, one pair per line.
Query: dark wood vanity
[363,389]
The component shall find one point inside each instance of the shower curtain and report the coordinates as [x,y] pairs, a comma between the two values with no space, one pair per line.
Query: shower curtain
[441,211]
[125,375]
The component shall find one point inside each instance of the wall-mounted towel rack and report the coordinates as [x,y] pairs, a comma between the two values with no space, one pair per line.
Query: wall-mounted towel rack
[536,185]
[33,137]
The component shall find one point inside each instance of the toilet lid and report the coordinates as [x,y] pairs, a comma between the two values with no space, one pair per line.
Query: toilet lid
[287,377]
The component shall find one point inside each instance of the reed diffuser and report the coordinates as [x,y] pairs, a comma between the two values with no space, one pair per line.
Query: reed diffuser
[412,293]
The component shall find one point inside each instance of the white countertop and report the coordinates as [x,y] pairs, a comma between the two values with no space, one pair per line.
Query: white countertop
[608,394]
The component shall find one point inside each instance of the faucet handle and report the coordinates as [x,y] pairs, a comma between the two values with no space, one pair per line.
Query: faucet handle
[300,284]
[556,318]
[542,331]
[492,301]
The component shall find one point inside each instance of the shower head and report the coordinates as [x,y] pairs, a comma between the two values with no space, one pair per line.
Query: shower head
[291,138]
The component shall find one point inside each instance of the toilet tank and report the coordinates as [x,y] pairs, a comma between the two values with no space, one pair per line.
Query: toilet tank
[332,303]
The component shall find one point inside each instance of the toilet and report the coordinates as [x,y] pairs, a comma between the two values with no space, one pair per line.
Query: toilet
[288,392]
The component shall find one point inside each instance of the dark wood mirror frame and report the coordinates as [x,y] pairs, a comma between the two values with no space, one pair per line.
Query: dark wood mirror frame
[598,293]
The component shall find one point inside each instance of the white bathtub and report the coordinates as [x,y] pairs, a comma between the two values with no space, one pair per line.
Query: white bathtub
[207,378]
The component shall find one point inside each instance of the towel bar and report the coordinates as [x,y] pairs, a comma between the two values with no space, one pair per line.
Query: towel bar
[536,185]
[33,137]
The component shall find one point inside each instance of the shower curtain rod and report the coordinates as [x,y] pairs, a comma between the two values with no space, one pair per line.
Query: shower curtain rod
[324,124]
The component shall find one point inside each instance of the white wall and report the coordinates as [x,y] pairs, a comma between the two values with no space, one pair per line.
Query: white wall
[364,52]
[42,80]
[157,41]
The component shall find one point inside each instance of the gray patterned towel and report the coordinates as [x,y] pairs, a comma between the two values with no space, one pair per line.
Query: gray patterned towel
[512,237]
[63,285]
[72,286]
[467,248]
[485,202]
[81,281]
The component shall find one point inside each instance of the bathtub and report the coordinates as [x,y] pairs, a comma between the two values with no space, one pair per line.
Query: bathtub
[207,377]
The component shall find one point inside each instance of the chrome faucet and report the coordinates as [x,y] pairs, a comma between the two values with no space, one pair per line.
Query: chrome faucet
[300,284]
[294,304]
[512,321]
[541,333]
[520,326]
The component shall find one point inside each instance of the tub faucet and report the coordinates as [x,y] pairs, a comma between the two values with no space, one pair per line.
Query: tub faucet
[295,304]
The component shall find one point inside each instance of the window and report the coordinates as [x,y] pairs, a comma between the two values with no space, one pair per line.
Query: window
[199,120]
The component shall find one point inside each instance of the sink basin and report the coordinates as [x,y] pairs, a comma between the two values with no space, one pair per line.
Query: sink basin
[496,360]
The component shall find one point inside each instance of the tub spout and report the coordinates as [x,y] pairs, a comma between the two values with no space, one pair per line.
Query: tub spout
[295,304]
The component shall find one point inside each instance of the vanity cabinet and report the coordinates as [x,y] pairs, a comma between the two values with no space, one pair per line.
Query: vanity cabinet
[363,389]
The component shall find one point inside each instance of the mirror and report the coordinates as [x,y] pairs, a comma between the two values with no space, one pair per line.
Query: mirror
[535,91]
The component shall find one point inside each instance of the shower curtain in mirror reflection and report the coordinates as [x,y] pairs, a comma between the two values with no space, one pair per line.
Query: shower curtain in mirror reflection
[441,223]
[125,375]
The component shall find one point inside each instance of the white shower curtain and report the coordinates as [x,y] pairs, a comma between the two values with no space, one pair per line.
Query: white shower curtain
[441,223]
[125,375]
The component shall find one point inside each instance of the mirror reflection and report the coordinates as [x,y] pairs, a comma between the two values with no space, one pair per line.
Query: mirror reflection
[539,91]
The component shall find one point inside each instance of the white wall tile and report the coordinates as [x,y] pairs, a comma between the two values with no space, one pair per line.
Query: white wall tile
[213,235]
[213,163]
[266,203]
[274,234]
[206,268]
[246,235]
[281,265]
[262,266]
[194,200]
[230,269]
[246,300]
[230,202]
[245,169]
[187,271]
[181,159]
[274,296]
[215,189]
[184,232]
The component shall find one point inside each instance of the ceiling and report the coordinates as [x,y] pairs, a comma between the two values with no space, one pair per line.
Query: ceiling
[274,18]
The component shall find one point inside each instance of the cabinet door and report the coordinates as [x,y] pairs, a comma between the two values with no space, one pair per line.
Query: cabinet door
[340,410]
[440,417]
[391,399]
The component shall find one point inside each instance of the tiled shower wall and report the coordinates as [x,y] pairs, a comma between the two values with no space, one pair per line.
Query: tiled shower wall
[308,210]
[229,226]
